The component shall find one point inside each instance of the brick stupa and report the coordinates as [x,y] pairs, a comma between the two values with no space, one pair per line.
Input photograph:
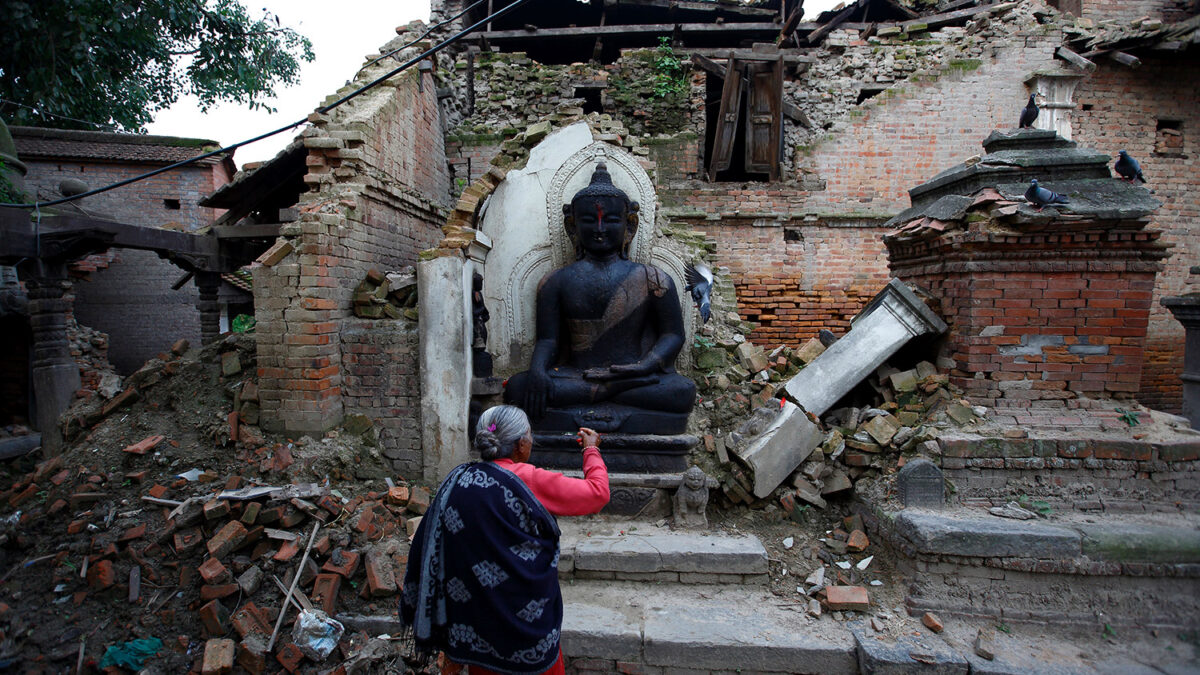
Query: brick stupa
[1043,306]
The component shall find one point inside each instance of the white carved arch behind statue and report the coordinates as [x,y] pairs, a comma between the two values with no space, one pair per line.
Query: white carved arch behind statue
[529,241]
[576,173]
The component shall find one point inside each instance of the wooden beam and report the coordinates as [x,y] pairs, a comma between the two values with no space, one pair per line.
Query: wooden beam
[793,20]
[819,34]
[1075,59]
[708,65]
[1125,59]
[936,20]
[263,231]
[617,29]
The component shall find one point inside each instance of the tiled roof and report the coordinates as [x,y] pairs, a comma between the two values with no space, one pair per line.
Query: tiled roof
[39,143]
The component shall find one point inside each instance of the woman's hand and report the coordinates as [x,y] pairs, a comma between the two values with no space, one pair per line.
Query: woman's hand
[588,438]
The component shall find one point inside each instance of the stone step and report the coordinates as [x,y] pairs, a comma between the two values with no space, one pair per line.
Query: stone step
[645,552]
[678,628]
[1102,568]
[700,629]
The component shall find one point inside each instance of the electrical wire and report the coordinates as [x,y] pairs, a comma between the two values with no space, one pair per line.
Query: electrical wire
[43,114]
[322,110]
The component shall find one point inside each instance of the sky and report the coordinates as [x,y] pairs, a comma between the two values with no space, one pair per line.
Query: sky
[342,33]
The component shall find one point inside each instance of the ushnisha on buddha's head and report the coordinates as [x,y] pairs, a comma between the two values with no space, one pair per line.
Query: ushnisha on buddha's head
[601,219]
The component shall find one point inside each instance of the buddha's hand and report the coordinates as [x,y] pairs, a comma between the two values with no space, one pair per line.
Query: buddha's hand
[538,393]
[618,371]
[588,438]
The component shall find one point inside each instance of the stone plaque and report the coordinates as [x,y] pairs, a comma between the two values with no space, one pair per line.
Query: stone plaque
[920,484]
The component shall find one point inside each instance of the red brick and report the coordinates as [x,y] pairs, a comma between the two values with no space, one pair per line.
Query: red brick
[325,592]
[24,496]
[250,619]
[932,622]
[348,567]
[135,532]
[252,655]
[143,446]
[76,526]
[398,495]
[381,577]
[270,515]
[186,540]
[158,491]
[287,551]
[227,539]
[101,575]
[289,656]
[218,657]
[847,598]
[216,509]
[250,513]
[135,476]
[215,618]
[211,592]
[214,572]
[363,523]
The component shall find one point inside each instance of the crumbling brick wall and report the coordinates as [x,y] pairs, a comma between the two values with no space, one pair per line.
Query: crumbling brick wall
[381,380]
[1136,110]
[377,196]
[125,293]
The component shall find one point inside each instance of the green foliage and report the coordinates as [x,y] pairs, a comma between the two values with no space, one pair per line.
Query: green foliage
[9,194]
[669,77]
[120,61]
[1127,417]
[243,323]
[1003,627]
[1038,506]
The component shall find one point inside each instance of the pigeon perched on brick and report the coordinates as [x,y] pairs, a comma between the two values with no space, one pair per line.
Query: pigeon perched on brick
[1128,168]
[699,283]
[1041,197]
[1028,114]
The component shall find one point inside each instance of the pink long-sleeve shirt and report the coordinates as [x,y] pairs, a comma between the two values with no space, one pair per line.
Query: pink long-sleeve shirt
[562,495]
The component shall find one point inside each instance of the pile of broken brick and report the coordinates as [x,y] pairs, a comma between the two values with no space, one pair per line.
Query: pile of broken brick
[893,422]
[839,582]
[390,295]
[227,557]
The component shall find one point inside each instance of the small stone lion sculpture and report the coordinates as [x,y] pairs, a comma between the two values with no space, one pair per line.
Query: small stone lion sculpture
[691,499]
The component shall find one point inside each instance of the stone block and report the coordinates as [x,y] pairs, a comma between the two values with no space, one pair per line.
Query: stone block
[944,534]
[218,656]
[776,452]
[810,351]
[920,655]
[892,318]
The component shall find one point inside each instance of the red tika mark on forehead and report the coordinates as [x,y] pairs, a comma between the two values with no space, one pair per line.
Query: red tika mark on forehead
[599,211]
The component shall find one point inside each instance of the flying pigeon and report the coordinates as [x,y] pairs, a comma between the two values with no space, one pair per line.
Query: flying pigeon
[1128,168]
[1041,197]
[699,283]
[1028,114]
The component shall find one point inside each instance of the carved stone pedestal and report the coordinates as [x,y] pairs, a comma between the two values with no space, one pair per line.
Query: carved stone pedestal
[1186,309]
[627,453]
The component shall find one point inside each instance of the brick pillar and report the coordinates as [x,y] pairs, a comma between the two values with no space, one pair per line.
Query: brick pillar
[208,283]
[55,373]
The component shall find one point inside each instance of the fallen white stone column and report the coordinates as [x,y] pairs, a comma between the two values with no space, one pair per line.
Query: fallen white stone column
[780,448]
[892,318]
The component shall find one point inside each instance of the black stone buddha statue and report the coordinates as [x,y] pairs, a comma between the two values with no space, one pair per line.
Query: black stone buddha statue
[608,331]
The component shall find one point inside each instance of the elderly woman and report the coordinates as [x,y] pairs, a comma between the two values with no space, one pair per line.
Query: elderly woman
[482,580]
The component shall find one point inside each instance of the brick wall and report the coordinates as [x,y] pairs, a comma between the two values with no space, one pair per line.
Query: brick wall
[378,187]
[1122,108]
[131,300]
[381,379]
[127,293]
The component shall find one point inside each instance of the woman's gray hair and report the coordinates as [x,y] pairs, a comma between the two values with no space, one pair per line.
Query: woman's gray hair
[498,430]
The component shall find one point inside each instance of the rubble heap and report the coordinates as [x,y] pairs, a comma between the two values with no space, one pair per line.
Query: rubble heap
[172,521]
[391,295]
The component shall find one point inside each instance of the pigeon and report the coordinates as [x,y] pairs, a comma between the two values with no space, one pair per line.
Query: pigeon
[1128,168]
[699,283]
[1028,114]
[1041,197]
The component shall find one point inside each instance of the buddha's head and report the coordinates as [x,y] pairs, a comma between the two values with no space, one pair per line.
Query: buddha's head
[601,219]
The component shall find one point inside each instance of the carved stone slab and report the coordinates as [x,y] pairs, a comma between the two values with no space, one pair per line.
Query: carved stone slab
[920,484]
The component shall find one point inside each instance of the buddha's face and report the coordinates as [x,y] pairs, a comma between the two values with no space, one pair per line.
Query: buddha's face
[600,224]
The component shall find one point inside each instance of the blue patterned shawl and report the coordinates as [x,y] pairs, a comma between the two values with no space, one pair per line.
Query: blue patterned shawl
[482,577]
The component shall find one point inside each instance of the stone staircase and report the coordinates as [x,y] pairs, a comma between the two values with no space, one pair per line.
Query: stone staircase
[644,599]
